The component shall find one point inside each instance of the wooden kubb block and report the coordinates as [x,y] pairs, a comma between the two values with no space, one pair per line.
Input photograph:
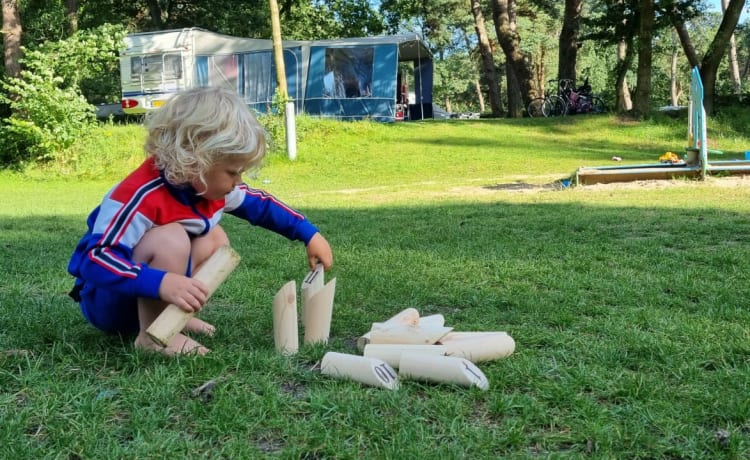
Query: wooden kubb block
[285,333]
[478,346]
[408,335]
[406,317]
[317,312]
[441,369]
[391,353]
[317,306]
[369,371]
[212,273]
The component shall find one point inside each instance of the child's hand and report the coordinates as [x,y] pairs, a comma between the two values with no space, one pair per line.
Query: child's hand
[187,293]
[319,251]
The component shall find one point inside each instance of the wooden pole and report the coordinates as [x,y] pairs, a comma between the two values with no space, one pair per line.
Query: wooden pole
[436,320]
[212,273]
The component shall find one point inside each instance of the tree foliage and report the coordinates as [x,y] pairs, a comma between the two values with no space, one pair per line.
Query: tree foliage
[49,112]
[76,65]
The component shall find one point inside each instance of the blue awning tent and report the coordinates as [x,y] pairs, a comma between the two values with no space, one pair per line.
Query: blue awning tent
[359,77]
[352,79]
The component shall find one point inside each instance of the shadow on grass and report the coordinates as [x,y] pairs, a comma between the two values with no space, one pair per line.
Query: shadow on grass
[613,309]
[484,266]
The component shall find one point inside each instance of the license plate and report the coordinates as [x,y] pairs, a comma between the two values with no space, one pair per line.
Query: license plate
[157,103]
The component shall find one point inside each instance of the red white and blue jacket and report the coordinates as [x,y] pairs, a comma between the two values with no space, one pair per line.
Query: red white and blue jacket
[143,200]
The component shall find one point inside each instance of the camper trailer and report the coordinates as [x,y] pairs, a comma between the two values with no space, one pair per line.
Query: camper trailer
[348,79]
[155,65]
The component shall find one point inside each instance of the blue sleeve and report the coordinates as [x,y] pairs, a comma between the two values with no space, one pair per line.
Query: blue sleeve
[263,209]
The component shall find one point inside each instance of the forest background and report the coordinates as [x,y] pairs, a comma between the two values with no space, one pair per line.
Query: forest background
[492,57]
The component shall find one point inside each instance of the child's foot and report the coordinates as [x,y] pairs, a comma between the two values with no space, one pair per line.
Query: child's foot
[199,327]
[179,345]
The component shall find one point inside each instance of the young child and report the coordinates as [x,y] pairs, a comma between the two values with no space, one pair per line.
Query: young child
[156,227]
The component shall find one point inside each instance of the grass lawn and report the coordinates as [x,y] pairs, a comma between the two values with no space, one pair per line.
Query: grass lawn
[628,303]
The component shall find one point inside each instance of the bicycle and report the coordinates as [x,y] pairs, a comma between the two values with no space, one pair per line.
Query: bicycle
[580,100]
[549,105]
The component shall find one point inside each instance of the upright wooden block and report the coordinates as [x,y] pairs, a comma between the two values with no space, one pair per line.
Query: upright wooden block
[317,306]
[285,329]
[312,283]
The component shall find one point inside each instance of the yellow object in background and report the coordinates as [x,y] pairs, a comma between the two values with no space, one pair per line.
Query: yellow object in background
[669,157]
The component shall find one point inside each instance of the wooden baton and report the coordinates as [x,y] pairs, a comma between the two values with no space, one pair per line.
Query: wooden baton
[212,273]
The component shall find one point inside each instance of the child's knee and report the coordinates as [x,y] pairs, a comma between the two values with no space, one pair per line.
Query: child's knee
[204,246]
[218,237]
[166,247]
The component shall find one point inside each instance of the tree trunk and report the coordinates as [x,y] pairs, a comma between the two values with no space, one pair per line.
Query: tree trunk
[674,84]
[517,62]
[568,53]
[155,12]
[480,96]
[734,68]
[488,62]
[540,72]
[687,45]
[710,64]
[624,59]
[71,12]
[642,104]
[278,50]
[11,37]
[515,103]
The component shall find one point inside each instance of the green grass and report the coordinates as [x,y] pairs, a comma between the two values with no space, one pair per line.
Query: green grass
[628,303]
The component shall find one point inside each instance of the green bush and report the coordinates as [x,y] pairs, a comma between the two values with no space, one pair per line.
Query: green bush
[47,118]
[48,111]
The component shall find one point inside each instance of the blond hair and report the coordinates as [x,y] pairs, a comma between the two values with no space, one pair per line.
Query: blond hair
[196,128]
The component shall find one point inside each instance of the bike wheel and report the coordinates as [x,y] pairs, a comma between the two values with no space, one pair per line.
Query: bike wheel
[535,107]
[554,106]
[598,105]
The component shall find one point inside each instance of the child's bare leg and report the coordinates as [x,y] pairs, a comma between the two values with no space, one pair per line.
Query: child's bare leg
[202,248]
[167,247]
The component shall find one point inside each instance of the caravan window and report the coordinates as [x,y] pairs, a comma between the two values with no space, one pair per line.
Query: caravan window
[260,77]
[156,67]
[348,72]
[223,71]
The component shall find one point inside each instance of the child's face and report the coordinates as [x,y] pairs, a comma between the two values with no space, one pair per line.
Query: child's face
[222,177]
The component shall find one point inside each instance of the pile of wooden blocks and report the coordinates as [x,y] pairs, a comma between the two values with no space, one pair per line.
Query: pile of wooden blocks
[421,349]
[405,346]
